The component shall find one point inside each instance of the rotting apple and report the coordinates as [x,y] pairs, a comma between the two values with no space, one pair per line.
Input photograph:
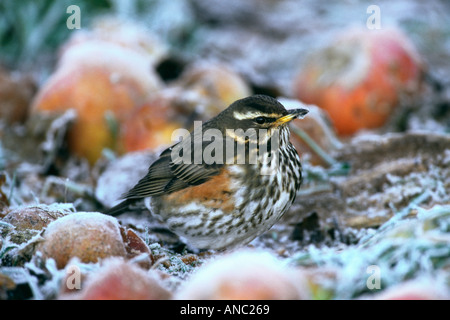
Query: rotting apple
[360,78]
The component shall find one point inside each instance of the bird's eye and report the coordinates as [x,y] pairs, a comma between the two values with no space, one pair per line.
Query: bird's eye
[260,120]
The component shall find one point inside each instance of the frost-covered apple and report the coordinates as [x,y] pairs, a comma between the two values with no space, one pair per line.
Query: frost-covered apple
[360,78]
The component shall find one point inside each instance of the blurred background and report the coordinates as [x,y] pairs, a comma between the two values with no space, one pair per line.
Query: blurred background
[265,40]
[91,92]
[266,43]
[357,60]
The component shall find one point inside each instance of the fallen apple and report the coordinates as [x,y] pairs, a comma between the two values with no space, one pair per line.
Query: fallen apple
[360,78]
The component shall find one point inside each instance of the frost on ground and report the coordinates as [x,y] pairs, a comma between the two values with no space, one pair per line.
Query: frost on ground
[388,209]
[383,202]
[386,175]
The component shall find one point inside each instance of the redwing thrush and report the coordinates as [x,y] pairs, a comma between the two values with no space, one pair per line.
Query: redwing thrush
[232,200]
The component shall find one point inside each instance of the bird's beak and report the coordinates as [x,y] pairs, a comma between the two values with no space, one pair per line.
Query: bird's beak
[292,114]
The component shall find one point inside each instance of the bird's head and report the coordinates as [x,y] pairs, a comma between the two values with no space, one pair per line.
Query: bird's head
[256,112]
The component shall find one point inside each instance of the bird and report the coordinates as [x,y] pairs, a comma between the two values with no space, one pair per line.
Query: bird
[228,202]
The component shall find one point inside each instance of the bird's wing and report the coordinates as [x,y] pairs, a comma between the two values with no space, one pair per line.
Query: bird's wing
[170,173]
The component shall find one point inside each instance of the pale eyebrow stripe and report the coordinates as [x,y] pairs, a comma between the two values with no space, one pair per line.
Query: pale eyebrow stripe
[251,115]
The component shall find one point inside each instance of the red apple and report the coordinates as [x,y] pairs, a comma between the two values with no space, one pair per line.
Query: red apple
[104,82]
[151,125]
[117,279]
[359,79]
[245,275]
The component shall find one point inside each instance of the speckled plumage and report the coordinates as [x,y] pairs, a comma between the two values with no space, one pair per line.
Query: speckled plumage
[221,205]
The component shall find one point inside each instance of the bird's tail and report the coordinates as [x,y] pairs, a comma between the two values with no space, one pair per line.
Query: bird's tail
[122,207]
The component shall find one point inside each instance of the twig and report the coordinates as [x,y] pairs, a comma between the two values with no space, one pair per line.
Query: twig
[314,146]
